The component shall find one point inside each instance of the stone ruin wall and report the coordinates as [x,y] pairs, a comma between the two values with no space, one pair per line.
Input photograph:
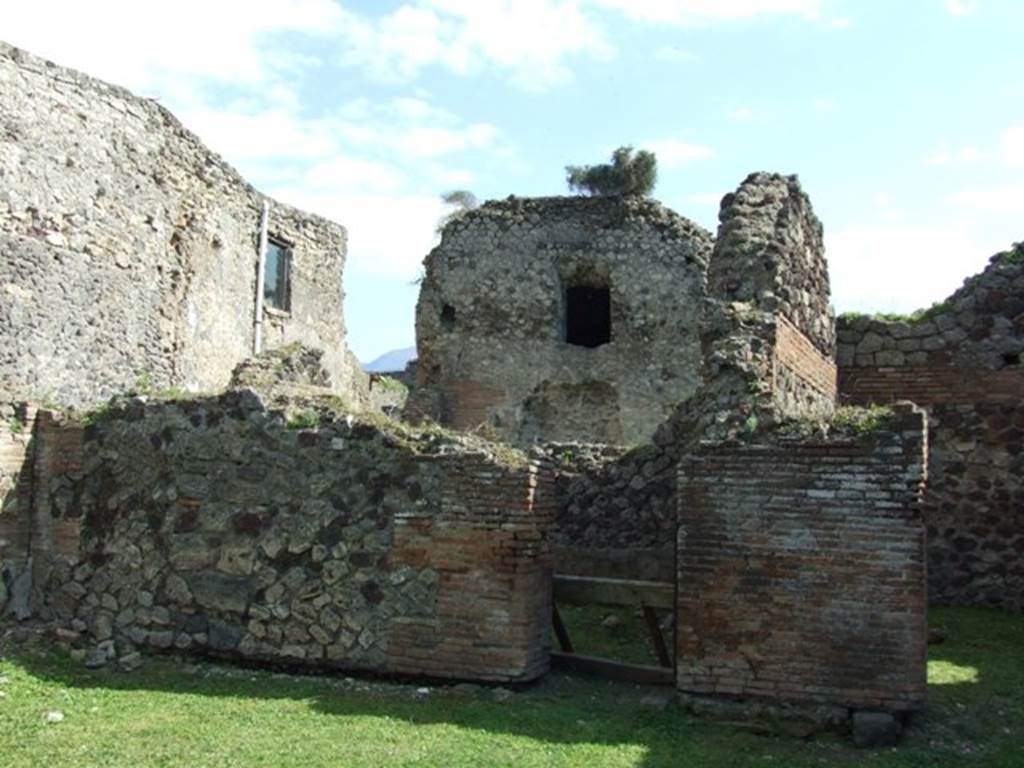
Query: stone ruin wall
[128,251]
[960,360]
[801,568]
[490,320]
[768,268]
[800,560]
[770,251]
[210,527]
[763,359]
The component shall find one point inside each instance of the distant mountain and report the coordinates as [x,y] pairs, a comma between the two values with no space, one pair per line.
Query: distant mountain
[395,360]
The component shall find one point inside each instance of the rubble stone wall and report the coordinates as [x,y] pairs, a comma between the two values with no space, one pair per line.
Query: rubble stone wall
[961,361]
[491,319]
[212,527]
[762,360]
[615,516]
[128,250]
[769,251]
[801,568]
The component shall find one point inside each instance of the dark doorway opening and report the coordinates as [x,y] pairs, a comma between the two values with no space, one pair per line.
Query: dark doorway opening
[447,317]
[588,316]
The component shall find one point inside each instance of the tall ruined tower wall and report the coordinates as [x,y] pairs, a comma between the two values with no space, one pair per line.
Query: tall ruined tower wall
[128,250]
[562,319]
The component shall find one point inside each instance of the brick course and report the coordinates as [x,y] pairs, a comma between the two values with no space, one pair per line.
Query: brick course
[801,569]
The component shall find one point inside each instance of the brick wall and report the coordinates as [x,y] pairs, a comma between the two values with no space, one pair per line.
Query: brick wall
[929,384]
[796,352]
[802,569]
[490,548]
[56,466]
[466,404]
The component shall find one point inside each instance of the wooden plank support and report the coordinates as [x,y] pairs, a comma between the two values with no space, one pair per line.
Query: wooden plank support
[560,631]
[657,638]
[586,590]
[614,670]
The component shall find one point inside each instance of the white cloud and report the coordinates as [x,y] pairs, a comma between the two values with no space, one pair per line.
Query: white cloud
[959,158]
[528,40]
[353,174]
[895,267]
[157,47]
[674,154]
[1012,146]
[824,105]
[693,12]
[742,114]
[244,134]
[995,198]
[376,245]
[961,7]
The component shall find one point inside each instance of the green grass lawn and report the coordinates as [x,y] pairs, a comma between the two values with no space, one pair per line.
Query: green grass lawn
[174,714]
[629,641]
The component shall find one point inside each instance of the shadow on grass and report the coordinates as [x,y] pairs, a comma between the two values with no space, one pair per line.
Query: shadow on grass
[561,709]
[977,707]
[975,687]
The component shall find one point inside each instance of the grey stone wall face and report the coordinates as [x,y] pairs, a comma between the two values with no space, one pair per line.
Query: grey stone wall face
[616,516]
[213,527]
[498,353]
[617,509]
[770,251]
[128,250]
[979,327]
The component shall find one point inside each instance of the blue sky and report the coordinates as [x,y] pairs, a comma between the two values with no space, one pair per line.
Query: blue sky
[904,119]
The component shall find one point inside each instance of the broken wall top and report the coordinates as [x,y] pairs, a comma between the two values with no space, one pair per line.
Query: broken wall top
[770,252]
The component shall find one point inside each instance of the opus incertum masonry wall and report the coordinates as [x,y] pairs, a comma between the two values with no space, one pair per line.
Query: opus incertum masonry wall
[210,526]
[129,250]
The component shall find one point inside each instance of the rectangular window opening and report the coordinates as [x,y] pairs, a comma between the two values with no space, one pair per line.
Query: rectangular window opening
[588,317]
[277,276]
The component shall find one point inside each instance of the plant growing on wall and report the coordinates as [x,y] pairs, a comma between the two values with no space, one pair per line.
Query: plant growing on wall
[460,200]
[628,173]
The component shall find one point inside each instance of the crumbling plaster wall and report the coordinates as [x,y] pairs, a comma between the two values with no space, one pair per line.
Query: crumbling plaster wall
[490,320]
[128,250]
[962,361]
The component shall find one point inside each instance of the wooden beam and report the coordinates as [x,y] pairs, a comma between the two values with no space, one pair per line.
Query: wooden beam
[586,590]
[560,631]
[657,638]
[614,670]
